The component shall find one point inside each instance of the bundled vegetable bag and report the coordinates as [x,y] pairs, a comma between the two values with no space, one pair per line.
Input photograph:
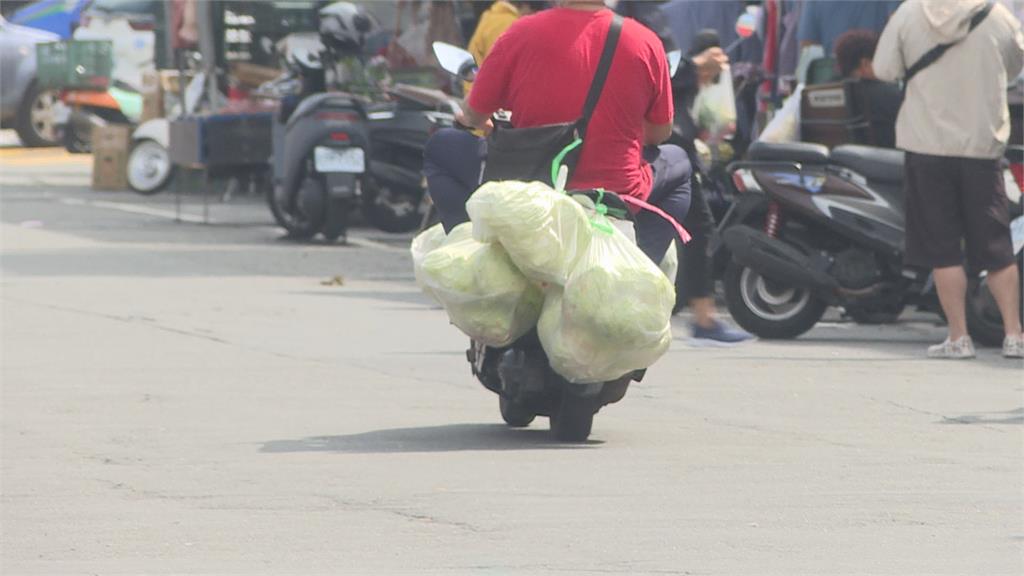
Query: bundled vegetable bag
[545,232]
[429,240]
[484,294]
[613,316]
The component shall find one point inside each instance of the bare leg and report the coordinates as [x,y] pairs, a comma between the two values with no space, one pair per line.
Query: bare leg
[1006,290]
[951,284]
[704,312]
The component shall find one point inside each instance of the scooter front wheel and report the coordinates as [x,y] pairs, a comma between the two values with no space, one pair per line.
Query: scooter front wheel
[514,414]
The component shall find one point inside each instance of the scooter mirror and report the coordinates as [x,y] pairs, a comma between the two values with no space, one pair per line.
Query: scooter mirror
[674,57]
[455,60]
[746,24]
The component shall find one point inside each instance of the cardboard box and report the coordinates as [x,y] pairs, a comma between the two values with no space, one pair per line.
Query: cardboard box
[111,138]
[152,96]
[110,147]
[109,170]
[152,106]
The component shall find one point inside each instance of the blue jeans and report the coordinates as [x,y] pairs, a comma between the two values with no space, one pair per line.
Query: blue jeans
[453,161]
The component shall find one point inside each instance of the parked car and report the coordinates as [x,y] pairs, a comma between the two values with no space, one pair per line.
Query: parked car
[24,106]
[57,16]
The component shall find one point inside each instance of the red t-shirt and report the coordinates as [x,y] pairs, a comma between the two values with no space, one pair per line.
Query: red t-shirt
[541,69]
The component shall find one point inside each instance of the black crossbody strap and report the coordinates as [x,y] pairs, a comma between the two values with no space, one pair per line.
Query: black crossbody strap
[935,53]
[611,41]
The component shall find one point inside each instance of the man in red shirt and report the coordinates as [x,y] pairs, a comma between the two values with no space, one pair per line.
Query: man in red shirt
[541,69]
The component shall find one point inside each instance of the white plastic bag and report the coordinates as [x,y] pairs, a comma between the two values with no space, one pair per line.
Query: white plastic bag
[785,124]
[614,315]
[429,240]
[544,231]
[670,263]
[484,294]
[714,108]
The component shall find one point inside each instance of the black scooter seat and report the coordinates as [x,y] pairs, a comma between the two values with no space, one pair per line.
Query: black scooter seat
[802,152]
[877,164]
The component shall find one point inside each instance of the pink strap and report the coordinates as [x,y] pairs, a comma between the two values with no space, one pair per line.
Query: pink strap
[638,203]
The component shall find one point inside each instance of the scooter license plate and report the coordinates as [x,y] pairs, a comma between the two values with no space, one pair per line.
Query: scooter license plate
[351,160]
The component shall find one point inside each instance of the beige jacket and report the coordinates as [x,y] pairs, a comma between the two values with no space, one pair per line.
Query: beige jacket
[957,106]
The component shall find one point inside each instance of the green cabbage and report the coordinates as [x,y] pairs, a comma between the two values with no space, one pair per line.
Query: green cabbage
[544,231]
[484,294]
[429,240]
[613,317]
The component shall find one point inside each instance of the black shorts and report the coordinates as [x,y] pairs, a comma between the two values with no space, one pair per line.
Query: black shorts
[952,203]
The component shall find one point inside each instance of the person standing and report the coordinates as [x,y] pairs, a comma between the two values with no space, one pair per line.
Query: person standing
[493,23]
[954,125]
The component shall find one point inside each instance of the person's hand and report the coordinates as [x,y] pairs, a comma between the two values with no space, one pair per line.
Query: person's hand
[710,63]
[484,128]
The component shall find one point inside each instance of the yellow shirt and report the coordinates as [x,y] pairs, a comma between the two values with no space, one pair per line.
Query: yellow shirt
[492,24]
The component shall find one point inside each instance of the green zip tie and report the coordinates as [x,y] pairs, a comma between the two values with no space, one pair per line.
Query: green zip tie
[561,156]
[601,222]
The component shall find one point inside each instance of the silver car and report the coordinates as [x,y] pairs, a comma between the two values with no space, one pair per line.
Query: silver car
[23,105]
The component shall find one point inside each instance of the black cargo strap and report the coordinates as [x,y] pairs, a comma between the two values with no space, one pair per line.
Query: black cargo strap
[597,84]
[935,53]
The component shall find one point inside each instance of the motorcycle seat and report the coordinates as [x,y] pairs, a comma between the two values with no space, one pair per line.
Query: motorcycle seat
[878,164]
[788,152]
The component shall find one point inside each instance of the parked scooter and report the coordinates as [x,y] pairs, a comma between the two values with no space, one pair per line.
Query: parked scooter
[520,374]
[813,229]
[341,150]
[79,110]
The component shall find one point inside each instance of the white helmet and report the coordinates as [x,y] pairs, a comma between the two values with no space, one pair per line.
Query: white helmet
[344,27]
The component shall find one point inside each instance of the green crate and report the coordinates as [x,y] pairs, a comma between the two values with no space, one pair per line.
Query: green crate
[75,64]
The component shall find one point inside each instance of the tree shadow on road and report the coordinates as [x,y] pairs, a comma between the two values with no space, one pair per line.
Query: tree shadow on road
[446,438]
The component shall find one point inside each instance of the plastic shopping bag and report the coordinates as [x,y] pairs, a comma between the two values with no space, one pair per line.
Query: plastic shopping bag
[613,316]
[429,240]
[544,231]
[714,109]
[670,263]
[484,294]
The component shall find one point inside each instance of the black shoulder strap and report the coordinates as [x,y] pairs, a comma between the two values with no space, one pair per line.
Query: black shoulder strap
[935,53]
[597,84]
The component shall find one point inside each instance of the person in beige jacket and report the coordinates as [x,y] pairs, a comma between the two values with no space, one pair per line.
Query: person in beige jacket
[954,125]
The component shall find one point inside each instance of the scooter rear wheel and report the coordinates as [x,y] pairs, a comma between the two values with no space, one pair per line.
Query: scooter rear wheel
[573,419]
[769,310]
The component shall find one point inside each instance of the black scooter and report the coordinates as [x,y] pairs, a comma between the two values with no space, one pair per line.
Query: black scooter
[521,374]
[812,229]
[335,152]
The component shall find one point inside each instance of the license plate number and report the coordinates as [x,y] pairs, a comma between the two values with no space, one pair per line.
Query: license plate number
[350,160]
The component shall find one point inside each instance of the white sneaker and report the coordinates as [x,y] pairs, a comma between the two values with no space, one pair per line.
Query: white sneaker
[1013,347]
[961,349]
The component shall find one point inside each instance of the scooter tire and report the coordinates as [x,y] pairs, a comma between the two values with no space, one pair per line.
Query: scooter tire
[573,419]
[984,323]
[515,415]
[295,232]
[770,329]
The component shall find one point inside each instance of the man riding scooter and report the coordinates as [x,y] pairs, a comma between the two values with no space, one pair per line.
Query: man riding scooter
[535,71]
[622,87]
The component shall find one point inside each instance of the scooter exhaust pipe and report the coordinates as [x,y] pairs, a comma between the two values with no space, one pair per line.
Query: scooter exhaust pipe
[776,260]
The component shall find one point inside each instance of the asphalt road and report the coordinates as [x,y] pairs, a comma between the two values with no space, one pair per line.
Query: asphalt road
[180,398]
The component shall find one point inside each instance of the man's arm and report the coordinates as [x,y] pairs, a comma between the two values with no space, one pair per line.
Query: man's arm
[655,134]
